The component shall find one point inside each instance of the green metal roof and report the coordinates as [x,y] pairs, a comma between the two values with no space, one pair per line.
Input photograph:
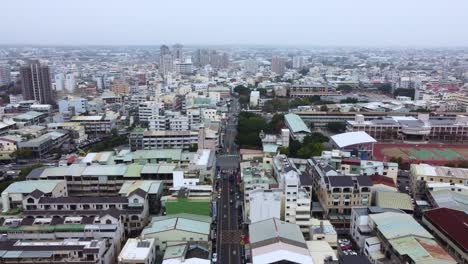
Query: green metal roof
[158,168]
[295,123]
[45,186]
[273,228]
[394,225]
[184,222]
[29,115]
[133,170]
[149,186]
[173,154]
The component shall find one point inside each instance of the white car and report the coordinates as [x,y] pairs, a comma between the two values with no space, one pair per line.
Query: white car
[214,258]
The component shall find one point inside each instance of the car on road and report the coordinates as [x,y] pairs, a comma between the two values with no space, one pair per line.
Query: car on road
[214,257]
[343,241]
[231,201]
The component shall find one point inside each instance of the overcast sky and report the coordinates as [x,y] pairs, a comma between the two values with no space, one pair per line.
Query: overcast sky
[275,22]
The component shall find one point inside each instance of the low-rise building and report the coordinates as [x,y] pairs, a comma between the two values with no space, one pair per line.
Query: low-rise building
[411,128]
[95,125]
[450,227]
[138,251]
[135,205]
[399,238]
[57,251]
[63,227]
[447,195]
[275,241]
[8,145]
[359,228]
[321,252]
[30,118]
[17,192]
[323,230]
[186,254]
[141,139]
[420,174]
[359,142]
[263,204]
[177,229]
[298,129]
[309,90]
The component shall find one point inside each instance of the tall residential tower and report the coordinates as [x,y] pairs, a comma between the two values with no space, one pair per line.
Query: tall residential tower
[36,84]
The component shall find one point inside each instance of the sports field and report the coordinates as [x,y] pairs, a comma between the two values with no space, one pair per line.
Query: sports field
[437,154]
[183,205]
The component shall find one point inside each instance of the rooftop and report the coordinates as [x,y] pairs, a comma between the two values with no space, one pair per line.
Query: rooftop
[296,124]
[394,225]
[184,222]
[274,231]
[451,223]
[136,249]
[352,138]
[149,186]
[438,171]
[26,187]
[29,115]
[394,200]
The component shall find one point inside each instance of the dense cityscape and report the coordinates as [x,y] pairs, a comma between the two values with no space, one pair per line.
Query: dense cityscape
[179,153]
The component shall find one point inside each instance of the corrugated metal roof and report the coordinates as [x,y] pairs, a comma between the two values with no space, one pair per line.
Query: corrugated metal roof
[179,223]
[133,170]
[110,170]
[296,124]
[45,186]
[272,229]
[394,200]
[352,138]
[158,169]
[393,225]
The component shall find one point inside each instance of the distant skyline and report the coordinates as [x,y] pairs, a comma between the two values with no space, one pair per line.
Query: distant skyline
[368,23]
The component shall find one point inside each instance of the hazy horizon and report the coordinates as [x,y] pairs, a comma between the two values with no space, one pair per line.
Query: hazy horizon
[336,23]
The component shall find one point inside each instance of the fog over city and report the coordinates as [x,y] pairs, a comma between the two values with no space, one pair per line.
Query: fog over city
[426,23]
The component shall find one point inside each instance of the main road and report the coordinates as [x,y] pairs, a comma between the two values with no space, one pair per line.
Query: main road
[228,232]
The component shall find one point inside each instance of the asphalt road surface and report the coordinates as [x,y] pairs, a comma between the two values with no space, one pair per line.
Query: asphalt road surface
[228,232]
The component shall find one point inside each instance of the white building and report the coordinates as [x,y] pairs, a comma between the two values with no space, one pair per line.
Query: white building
[138,251]
[15,98]
[170,121]
[70,82]
[80,105]
[297,199]
[254,98]
[275,241]
[211,114]
[298,62]
[185,67]
[148,109]
[264,204]
[59,82]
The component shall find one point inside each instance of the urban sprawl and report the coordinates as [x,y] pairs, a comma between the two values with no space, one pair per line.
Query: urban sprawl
[180,154]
